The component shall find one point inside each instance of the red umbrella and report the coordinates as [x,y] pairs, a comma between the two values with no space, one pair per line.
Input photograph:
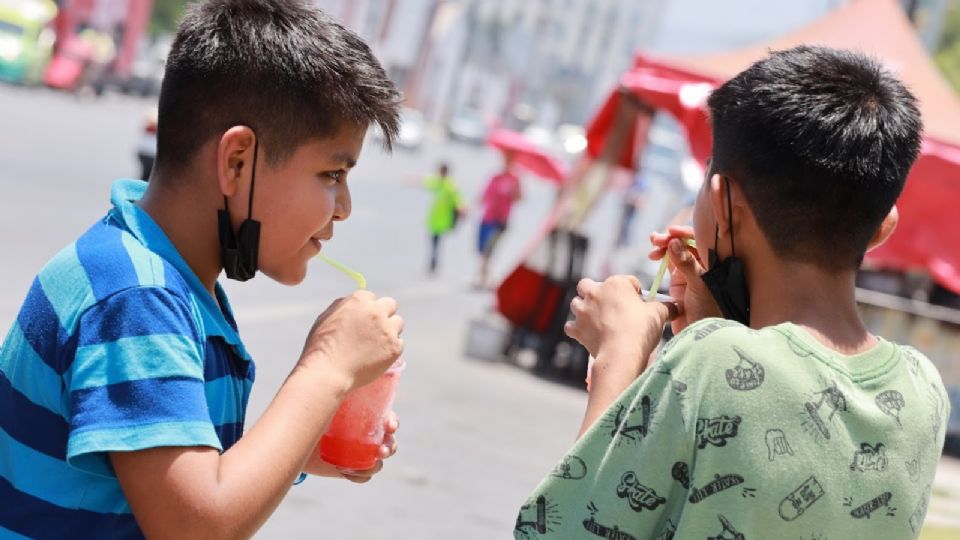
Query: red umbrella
[528,155]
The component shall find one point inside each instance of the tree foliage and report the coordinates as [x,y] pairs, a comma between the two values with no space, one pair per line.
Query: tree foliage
[947,55]
[166,16]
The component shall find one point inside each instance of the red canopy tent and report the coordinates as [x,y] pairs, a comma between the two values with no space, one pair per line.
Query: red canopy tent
[927,237]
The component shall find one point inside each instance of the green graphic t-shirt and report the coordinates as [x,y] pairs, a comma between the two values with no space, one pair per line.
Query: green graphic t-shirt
[734,433]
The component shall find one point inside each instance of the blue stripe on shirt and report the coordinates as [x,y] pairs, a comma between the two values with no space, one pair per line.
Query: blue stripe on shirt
[38,320]
[136,358]
[67,286]
[106,261]
[222,361]
[36,518]
[223,396]
[148,265]
[138,403]
[116,317]
[39,475]
[229,434]
[29,374]
[31,424]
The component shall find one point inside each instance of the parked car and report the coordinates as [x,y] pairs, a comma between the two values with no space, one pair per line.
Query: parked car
[147,145]
[413,129]
[468,126]
[26,39]
[146,72]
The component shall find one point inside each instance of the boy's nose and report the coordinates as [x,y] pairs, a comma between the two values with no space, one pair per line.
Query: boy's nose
[343,205]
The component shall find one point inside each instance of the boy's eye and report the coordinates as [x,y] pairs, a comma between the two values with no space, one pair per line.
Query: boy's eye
[336,176]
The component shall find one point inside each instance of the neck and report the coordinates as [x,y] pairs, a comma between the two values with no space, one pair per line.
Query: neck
[822,302]
[189,221]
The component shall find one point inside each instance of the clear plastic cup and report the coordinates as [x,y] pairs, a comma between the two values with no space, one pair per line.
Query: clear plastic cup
[354,436]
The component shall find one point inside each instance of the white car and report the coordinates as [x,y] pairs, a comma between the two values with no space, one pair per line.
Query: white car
[413,129]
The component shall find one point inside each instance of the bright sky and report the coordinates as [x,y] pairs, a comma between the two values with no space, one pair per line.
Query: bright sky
[699,26]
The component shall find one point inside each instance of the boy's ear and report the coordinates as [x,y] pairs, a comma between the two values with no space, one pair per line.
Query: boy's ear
[234,158]
[885,229]
[717,190]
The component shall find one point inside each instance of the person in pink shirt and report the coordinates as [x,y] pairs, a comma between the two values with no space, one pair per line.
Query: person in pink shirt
[502,191]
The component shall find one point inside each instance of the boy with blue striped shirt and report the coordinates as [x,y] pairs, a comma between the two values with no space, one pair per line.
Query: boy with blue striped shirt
[123,380]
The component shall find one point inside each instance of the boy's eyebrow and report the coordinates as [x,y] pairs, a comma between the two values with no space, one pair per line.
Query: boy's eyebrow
[346,158]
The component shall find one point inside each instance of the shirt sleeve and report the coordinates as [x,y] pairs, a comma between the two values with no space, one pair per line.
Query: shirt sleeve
[624,477]
[136,380]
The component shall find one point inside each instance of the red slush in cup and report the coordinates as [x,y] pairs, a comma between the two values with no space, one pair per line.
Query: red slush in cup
[354,436]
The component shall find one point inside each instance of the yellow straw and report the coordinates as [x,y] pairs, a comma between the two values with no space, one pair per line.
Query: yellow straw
[356,276]
[663,270]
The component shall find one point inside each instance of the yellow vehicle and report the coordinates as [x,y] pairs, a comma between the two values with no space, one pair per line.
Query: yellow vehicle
[26,40]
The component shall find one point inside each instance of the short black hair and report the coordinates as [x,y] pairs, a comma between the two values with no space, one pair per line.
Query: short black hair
[821,141]
[281,67]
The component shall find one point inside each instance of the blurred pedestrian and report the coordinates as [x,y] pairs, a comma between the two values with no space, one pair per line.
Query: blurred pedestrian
[633,200]
[445,211]
[147,145]
[497,199]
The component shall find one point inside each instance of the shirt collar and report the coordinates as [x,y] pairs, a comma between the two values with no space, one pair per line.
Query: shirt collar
[218,319]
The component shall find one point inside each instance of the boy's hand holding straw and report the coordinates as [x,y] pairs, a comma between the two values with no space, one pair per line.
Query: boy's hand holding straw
[678,252]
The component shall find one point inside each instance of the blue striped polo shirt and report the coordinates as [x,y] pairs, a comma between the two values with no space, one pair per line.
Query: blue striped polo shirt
[117,347]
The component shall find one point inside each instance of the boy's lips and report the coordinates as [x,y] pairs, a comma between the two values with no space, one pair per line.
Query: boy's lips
[318,240]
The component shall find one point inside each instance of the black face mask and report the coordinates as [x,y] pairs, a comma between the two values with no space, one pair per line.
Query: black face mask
[238,252]
[727,279]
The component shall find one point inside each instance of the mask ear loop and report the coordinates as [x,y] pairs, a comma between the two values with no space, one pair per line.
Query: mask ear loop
[253,176]
[733,247]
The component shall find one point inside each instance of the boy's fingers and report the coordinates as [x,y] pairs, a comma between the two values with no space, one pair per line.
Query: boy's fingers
[670,309]
[576,306]
[684,261]
[389,447]
[657,253]
[585,286]
[393,422]
[397,323]
[680,231]
[659,239]
[570,329]
[634,282]
[389,304]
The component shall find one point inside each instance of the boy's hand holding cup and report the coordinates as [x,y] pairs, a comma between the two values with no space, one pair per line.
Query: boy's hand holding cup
[356,339]
[359,333]
[613,321]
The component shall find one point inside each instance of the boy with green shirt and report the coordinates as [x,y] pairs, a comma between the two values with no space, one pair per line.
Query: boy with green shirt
[444,211]
[785,418]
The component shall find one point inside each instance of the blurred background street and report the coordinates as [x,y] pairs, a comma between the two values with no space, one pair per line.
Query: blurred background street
[476,435]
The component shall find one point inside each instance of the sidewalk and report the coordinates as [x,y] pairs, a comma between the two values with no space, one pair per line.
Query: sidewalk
[943,513]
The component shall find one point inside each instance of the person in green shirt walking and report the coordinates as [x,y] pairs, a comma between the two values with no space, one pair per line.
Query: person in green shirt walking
[445,211]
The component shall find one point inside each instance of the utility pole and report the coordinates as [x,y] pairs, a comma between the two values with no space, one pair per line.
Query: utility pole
[467,52]
[912,10]
[423,55]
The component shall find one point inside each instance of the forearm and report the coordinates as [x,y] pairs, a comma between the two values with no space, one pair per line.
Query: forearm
[255,474]
[195,492]
[613,371]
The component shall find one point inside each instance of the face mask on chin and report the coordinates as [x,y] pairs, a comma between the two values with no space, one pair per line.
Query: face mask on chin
[239,251]
[727,279]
